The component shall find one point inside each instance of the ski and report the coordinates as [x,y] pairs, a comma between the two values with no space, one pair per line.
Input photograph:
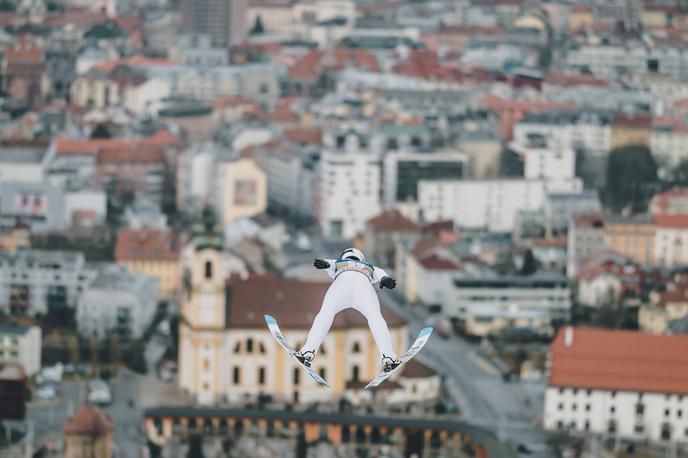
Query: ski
[277,334]
[419,343]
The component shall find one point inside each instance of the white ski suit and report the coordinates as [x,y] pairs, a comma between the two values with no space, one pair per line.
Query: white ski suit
[352,287]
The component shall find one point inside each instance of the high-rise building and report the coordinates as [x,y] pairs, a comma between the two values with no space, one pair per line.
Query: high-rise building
[223,20]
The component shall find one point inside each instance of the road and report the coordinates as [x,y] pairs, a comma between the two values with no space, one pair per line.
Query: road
[48,417]
[483,397]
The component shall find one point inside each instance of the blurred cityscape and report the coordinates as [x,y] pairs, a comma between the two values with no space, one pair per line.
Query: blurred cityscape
[169,169]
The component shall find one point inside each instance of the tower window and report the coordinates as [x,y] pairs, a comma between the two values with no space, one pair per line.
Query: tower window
[355,374]
[297,376]
[208,269]
[236,376]
[261,347]
[357,348]
[322,372]
[261,376]
[249,346]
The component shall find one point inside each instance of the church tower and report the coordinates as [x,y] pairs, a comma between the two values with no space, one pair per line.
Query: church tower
[202,321]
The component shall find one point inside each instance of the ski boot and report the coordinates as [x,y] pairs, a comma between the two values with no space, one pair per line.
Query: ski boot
[389,364]
[305,358]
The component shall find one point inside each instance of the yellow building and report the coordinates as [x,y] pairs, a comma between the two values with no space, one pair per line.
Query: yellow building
[581,18]
[243,190]
[154,253]
[663,308]
[13,238]
[88,433]
[633,237]
[226,351]
[630,130]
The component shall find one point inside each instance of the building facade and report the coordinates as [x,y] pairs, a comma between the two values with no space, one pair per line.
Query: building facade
[349,193]
[33,281]
[633,237]
[594,386]
[223,20]
[21,345]
[118,302]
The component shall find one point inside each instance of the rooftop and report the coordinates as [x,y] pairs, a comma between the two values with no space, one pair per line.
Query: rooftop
[293,303]
[392,220]
[89,420]
[11,371]
[15,329]
[22,155]
[146,244]
[619,360]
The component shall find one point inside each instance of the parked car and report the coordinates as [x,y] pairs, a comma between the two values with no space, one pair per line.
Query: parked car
[99,392]
[47,390]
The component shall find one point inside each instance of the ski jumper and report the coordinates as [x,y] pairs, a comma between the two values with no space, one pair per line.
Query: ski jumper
[352,288]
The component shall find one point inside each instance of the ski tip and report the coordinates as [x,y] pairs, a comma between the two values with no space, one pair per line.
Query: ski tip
[425,331]
[269,319]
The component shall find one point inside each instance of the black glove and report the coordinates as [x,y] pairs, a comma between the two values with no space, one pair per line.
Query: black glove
[388,282]
[321,264]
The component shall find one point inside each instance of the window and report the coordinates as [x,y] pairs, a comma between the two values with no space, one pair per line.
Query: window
[208,269]
[575,391]
[297,376]
[679,413]
[587,407]
[237,347]
[613,394]
[612,409]
[249,345]
[574,406]
[667,412]
[236,375]
[639,429]
[589,392]
[560,425]
[261,376]
[639,409]
[587,425]
[261,347]
[355,374]
[560,406]
[322,372]
[356,348]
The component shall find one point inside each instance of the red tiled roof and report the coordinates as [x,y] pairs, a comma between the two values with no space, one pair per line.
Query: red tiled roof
[392,220]
[662,200]
[89,420]
[559,242]
[434,262]
[672,221]
[293,303]
[163,138]
[303,135]
[635,122]
[574,79]
[80,18]
[423,247]
[147,245]
[137,154]
[620,360]
[416,369]
[25,51]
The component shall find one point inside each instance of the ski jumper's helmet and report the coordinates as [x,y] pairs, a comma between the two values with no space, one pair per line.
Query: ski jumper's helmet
[352,253]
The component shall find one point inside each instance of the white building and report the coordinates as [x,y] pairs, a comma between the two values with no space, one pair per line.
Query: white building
[198,50]
[118,301]
[622,384]
[349,193]
[486,204]
[587,129]
[403,171]
[545,159]
[669,143]
[195,175]
[560,207]
[630,58]
[88,204]
[22,345]
[671,241]
[292,179]
[26,165]
[487,305]
[585,239]
[31,281]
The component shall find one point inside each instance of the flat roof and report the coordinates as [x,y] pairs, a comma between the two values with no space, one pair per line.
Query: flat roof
[22,155]
[13,329]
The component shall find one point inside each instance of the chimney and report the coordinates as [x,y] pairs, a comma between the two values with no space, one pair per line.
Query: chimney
[568,336]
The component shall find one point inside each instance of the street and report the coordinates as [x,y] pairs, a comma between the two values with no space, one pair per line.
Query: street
[483,397]
[48,416]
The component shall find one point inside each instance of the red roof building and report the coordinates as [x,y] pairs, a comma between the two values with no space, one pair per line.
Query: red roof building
[592,358]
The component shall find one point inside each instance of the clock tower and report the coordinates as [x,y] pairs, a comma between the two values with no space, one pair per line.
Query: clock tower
[202,321]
